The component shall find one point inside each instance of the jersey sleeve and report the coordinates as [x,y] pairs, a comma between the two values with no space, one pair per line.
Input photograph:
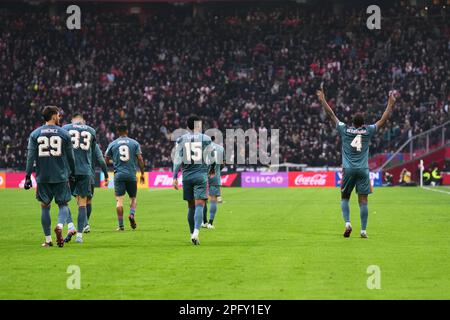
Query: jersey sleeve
[69,152]
[372,129]
[340,127]
[32,145]
[31,156]
[178,157]
[101,161]
[138,149]
[108,152]
[94,137]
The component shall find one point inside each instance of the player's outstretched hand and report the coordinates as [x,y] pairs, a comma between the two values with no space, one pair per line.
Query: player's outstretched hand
[142,179]
[392,98]
[175,184]
[320,95]
[28,184]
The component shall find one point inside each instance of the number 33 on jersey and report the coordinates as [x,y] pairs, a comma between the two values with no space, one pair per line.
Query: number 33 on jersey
[83,139]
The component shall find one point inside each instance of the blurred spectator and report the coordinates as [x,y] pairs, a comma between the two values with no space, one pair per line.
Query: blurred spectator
[388,179]
[436,177]
[426,176]
[405,178]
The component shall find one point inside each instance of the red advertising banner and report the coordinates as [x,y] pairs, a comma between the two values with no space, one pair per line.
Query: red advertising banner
[312,179]
[162,179]
[17,179]
[2,180]
[228,179]
[446,179]
[165,180]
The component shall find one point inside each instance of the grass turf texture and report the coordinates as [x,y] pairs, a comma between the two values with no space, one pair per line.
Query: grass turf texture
[268,244]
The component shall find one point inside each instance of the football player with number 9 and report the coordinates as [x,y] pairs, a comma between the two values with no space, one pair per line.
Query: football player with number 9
[355,159]
[50,147]
[125,154]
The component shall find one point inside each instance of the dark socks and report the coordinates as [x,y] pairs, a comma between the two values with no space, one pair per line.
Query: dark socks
[364,212]
[120,216]
[205,213]
[46,221]
[88,210]
[191,219]
[81,218]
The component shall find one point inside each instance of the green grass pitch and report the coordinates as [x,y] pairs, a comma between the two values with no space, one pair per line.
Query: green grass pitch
[268,244]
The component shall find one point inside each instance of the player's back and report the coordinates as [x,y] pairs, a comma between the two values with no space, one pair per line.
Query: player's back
[218,154]
[51,144]
[123,151]
[355,145]
[192,147]
[83,139]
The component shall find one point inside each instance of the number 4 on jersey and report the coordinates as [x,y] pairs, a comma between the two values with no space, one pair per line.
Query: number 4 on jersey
[357,143]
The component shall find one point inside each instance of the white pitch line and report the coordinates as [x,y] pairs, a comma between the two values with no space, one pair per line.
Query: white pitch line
[426,188]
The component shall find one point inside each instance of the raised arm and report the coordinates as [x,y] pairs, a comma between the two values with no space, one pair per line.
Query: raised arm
[387,112]
[326,107]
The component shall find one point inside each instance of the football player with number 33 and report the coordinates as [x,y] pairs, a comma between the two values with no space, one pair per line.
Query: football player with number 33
[84,143]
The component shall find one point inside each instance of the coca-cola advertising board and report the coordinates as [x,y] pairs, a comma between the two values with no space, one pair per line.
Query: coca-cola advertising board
[311,179]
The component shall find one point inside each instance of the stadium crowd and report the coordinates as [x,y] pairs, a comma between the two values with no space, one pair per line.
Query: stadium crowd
[257,69]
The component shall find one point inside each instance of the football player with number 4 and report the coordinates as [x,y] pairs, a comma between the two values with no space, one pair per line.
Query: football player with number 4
[50,147]
[355,159]
[125,154]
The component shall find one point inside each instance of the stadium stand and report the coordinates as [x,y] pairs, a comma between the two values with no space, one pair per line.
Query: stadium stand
[255,68]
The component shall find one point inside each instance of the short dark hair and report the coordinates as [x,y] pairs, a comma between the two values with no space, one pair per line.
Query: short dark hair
[122,127]
[77,115]
[358,120]
[49,111]
[191,121]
